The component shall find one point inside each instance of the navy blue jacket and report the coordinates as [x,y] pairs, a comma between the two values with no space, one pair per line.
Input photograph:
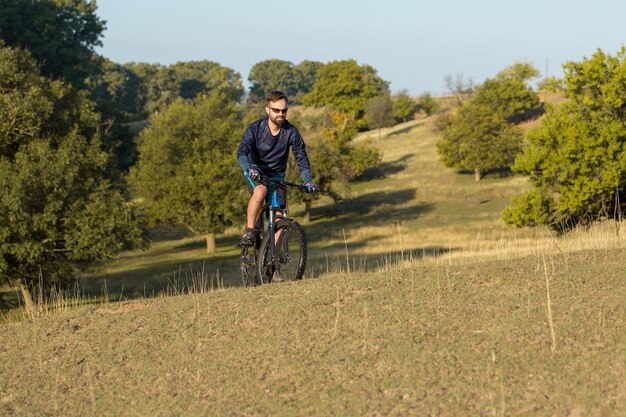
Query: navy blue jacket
[270,153]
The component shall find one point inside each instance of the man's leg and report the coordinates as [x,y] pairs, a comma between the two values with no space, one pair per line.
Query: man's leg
[255,205]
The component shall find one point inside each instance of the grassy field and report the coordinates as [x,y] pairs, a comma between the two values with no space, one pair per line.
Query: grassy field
[419,302]
[539,336]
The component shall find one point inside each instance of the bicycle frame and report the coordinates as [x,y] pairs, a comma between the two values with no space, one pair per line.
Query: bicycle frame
[274,206]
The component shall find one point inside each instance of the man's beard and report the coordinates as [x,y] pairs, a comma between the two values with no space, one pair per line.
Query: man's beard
[277,121]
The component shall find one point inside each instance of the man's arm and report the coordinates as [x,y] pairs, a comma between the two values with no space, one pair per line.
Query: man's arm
[299,152]
[247,141]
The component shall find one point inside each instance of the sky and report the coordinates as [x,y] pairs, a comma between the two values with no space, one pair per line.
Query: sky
[413,45]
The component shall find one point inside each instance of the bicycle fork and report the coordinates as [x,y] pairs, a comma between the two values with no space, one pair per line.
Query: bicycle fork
[271,230]
[274,205]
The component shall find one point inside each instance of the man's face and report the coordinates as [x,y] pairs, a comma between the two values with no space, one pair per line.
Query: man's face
[277,111]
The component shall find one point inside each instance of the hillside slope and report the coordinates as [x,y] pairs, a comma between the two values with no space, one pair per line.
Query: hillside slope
[541,335]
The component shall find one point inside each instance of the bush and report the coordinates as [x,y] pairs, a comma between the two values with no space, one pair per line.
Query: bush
[576,160]
[428,104]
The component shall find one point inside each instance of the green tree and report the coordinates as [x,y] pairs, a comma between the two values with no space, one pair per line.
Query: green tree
[523,71]
[109,87]
[58,210]
[479,140]
[275,74]
[428,104]
[195,77]
[403,106]
[187,174]
[552,84]
[355,157]
[141,87]
[509,94]
[379,112]
[269,75]
[304,77]
[114,89]
[60,34]
[481,136]
[576,160]
[187,80]
[346,86]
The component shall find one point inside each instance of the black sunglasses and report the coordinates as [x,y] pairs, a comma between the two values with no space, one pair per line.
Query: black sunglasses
[277,111]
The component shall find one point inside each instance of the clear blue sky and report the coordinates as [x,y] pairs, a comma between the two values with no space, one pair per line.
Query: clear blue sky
[412,44]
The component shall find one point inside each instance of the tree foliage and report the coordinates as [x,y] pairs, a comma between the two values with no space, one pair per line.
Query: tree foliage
[187,173]
[509,93]
[269,75]
[523,71]
[119,89]
[138,89]
[428,104]
[60,34]
[479,140]
[346,86]
[576,160]
[337,160]
[114,89]
[276,74]
[58,211]
[305,77]
[187,80]
[403,106]
[481,136]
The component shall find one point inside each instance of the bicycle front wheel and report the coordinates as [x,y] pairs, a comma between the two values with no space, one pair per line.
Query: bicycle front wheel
[289,260]
[249,275]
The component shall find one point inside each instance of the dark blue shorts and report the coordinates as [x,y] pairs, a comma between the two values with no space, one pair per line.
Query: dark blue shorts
[282,193]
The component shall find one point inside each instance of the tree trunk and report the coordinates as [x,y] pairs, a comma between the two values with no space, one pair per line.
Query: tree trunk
[477,174]
[210,243]
[307,211]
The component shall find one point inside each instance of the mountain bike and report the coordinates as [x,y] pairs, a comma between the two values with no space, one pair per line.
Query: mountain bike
[279,254]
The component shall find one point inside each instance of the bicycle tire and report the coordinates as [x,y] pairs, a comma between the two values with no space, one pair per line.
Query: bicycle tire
[293,254]
[249,275]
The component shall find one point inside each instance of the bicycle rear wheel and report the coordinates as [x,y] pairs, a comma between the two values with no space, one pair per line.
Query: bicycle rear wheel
[289,262]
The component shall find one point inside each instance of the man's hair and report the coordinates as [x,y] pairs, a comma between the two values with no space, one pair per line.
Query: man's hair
[276,95]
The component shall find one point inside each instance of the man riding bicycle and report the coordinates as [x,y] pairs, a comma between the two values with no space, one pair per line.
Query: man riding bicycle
[264,151]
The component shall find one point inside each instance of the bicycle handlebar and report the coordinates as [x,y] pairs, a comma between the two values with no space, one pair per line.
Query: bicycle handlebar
[266,180]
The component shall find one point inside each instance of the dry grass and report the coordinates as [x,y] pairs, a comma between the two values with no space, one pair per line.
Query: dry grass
[541,336]
[53,302]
